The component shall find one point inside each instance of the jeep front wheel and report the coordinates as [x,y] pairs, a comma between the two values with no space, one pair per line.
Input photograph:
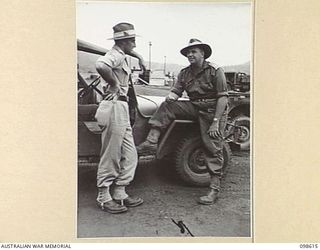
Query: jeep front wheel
[190,163]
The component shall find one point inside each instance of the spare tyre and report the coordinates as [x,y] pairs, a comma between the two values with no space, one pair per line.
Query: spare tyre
[243,139]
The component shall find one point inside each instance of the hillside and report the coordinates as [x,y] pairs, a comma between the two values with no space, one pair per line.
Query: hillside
[87,61]
[245,68]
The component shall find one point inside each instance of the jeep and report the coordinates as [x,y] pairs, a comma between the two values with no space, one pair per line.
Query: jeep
[181,142]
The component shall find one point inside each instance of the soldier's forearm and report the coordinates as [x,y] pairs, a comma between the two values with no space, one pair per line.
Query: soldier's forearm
[142,63]
[221,106]
[106,73]
[176,91]
[136,55]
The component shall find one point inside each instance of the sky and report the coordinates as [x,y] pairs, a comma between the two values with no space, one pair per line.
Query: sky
[226,27]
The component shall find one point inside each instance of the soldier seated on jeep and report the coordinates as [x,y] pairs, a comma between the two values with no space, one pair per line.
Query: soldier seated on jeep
[206,87]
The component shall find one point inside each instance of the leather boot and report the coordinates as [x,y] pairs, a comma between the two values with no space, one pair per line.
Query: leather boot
[130,201]
[106,203]
[212,195]
[121,197]
[112,207]
[151,144]
[210,198]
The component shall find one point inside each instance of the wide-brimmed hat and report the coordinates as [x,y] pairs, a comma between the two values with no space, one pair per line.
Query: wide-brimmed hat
[123,31]
[197,43]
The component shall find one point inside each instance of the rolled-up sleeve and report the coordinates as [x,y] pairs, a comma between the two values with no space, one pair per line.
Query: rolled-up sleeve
[178,86]
[221,83]
[110,59]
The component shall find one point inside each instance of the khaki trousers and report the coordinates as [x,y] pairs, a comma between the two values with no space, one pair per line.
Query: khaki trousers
[204,113]
[118,156]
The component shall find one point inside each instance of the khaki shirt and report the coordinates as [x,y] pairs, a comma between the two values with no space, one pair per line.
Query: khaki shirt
[209,83]
[117,60]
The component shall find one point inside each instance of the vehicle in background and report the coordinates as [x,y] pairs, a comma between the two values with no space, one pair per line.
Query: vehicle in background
[239,114]
[238,81]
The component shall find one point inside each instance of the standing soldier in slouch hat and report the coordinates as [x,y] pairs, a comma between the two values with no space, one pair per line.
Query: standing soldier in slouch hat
[206,87]
[118,158]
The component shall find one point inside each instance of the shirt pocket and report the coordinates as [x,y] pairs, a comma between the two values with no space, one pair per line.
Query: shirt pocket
[188,83]
[206,83]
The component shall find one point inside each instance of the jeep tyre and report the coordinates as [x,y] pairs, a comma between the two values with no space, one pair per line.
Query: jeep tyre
[244,137]
[189,161]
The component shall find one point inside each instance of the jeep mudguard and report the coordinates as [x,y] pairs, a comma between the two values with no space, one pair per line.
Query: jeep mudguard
[239,103]
[169,139]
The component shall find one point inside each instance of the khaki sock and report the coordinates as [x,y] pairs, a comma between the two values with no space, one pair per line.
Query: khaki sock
[104,195]
[119,192]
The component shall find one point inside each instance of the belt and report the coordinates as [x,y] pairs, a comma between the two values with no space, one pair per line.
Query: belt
[203,100]
[123,98]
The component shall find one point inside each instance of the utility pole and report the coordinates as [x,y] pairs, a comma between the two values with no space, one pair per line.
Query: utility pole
[150,44]
[164,66]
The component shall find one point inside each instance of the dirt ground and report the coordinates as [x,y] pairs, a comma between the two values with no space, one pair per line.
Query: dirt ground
[167,198]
